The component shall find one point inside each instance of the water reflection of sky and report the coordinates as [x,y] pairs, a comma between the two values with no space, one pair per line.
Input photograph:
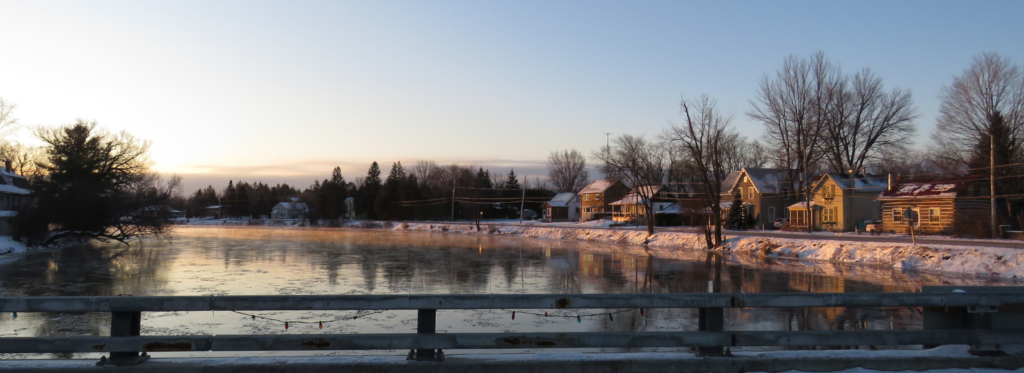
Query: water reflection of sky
[250,261]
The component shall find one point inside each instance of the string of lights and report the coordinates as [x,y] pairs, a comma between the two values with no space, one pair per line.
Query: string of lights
[287,323]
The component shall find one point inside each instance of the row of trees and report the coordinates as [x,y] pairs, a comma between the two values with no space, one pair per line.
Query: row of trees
[819,119]
[426,191]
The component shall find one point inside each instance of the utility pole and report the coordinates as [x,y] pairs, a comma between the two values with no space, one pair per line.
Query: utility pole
[453,201]
[992,175]
[608,152]
[522,205]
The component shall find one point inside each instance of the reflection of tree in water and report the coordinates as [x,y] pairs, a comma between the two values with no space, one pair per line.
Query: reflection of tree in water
[87,270]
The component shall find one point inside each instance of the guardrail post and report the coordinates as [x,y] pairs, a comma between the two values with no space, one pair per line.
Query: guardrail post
[711,320]
[426,323]
[125,324]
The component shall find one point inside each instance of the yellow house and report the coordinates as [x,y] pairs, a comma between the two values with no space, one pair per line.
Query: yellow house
[839,202]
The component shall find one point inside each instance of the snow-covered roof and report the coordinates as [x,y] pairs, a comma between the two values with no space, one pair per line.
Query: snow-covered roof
[675,208]
[634,199]
[598,186]
[933,189]
[765,180]
[11,189]
[802,205]
[562,199]
[728,204]
[862,183]
[292,206]
[629,199]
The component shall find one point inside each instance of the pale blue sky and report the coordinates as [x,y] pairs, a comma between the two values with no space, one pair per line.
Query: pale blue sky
[283,91]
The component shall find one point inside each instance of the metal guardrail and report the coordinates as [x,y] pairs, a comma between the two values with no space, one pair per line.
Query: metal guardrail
[125,342]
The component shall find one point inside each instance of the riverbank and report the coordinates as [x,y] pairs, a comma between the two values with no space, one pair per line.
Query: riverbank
[973,260]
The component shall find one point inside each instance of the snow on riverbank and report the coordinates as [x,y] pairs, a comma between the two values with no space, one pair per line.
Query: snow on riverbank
[979,260]
[10,246]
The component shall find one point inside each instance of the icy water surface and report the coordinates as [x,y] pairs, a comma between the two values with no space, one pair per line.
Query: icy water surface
[253,261]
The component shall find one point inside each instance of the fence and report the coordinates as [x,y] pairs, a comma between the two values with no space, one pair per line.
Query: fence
[125,343]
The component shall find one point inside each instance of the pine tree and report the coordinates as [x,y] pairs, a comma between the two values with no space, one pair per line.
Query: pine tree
[370,190]
[512,182]
[735,220]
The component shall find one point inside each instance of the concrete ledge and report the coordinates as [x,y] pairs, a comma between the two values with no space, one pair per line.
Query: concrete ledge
[558,363]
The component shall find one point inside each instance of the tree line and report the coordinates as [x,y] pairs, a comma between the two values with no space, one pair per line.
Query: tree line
[426,191]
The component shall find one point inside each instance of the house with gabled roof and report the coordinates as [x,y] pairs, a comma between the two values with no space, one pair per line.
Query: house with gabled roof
[563,207]
[15,194]
[839,202]
[766,190]
[632,208]
[293,209]
[596,197]
[940,207]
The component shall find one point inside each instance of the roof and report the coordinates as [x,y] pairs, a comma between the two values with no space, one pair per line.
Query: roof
[802,205]
[634,199]
[766,180]
[11,189]
[292,206]
[862,183]
[675,208]
[562,199]
[931,189]
[598,186]
[12,183]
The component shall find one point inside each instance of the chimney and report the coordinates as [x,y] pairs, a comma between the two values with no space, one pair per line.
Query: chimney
[7,165]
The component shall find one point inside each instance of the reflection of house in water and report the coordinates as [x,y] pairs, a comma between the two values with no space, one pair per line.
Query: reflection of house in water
[591,265]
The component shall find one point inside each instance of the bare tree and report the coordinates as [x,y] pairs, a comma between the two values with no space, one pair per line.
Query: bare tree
[23,158]
[642,164]
[794,109]
[567,170]
[981,127]
[8,123]
[707,145]
[992,85]
[865,121]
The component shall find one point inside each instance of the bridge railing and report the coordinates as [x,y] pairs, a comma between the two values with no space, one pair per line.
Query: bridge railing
[126,343]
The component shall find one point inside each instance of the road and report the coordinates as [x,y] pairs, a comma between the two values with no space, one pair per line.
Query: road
[921,240]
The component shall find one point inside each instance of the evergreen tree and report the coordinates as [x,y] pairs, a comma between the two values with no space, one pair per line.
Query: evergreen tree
[512,182]
[371,189]
[735,220]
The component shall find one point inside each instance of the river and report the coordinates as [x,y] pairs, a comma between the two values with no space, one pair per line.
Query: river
[259,260]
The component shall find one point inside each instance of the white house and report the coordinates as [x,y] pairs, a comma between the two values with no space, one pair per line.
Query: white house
[15,193]
[295,209]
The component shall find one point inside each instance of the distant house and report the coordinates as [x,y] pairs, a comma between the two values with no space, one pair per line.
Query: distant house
[940,206]
[839,202]
[595,198]
[15,193]
[632,208]
[563,207]
[767,190]
[294,209]
[215,211]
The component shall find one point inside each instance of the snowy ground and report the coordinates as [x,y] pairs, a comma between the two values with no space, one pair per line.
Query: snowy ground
[975,260]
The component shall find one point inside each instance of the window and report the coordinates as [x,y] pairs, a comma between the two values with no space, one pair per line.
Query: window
[586,197]
[785,193]
[933,214]
[897,215]
[828,192]
[771,214]
[597,197]
[829,215]
[750,193]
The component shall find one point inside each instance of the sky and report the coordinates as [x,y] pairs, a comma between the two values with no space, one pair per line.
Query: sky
[285,91]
